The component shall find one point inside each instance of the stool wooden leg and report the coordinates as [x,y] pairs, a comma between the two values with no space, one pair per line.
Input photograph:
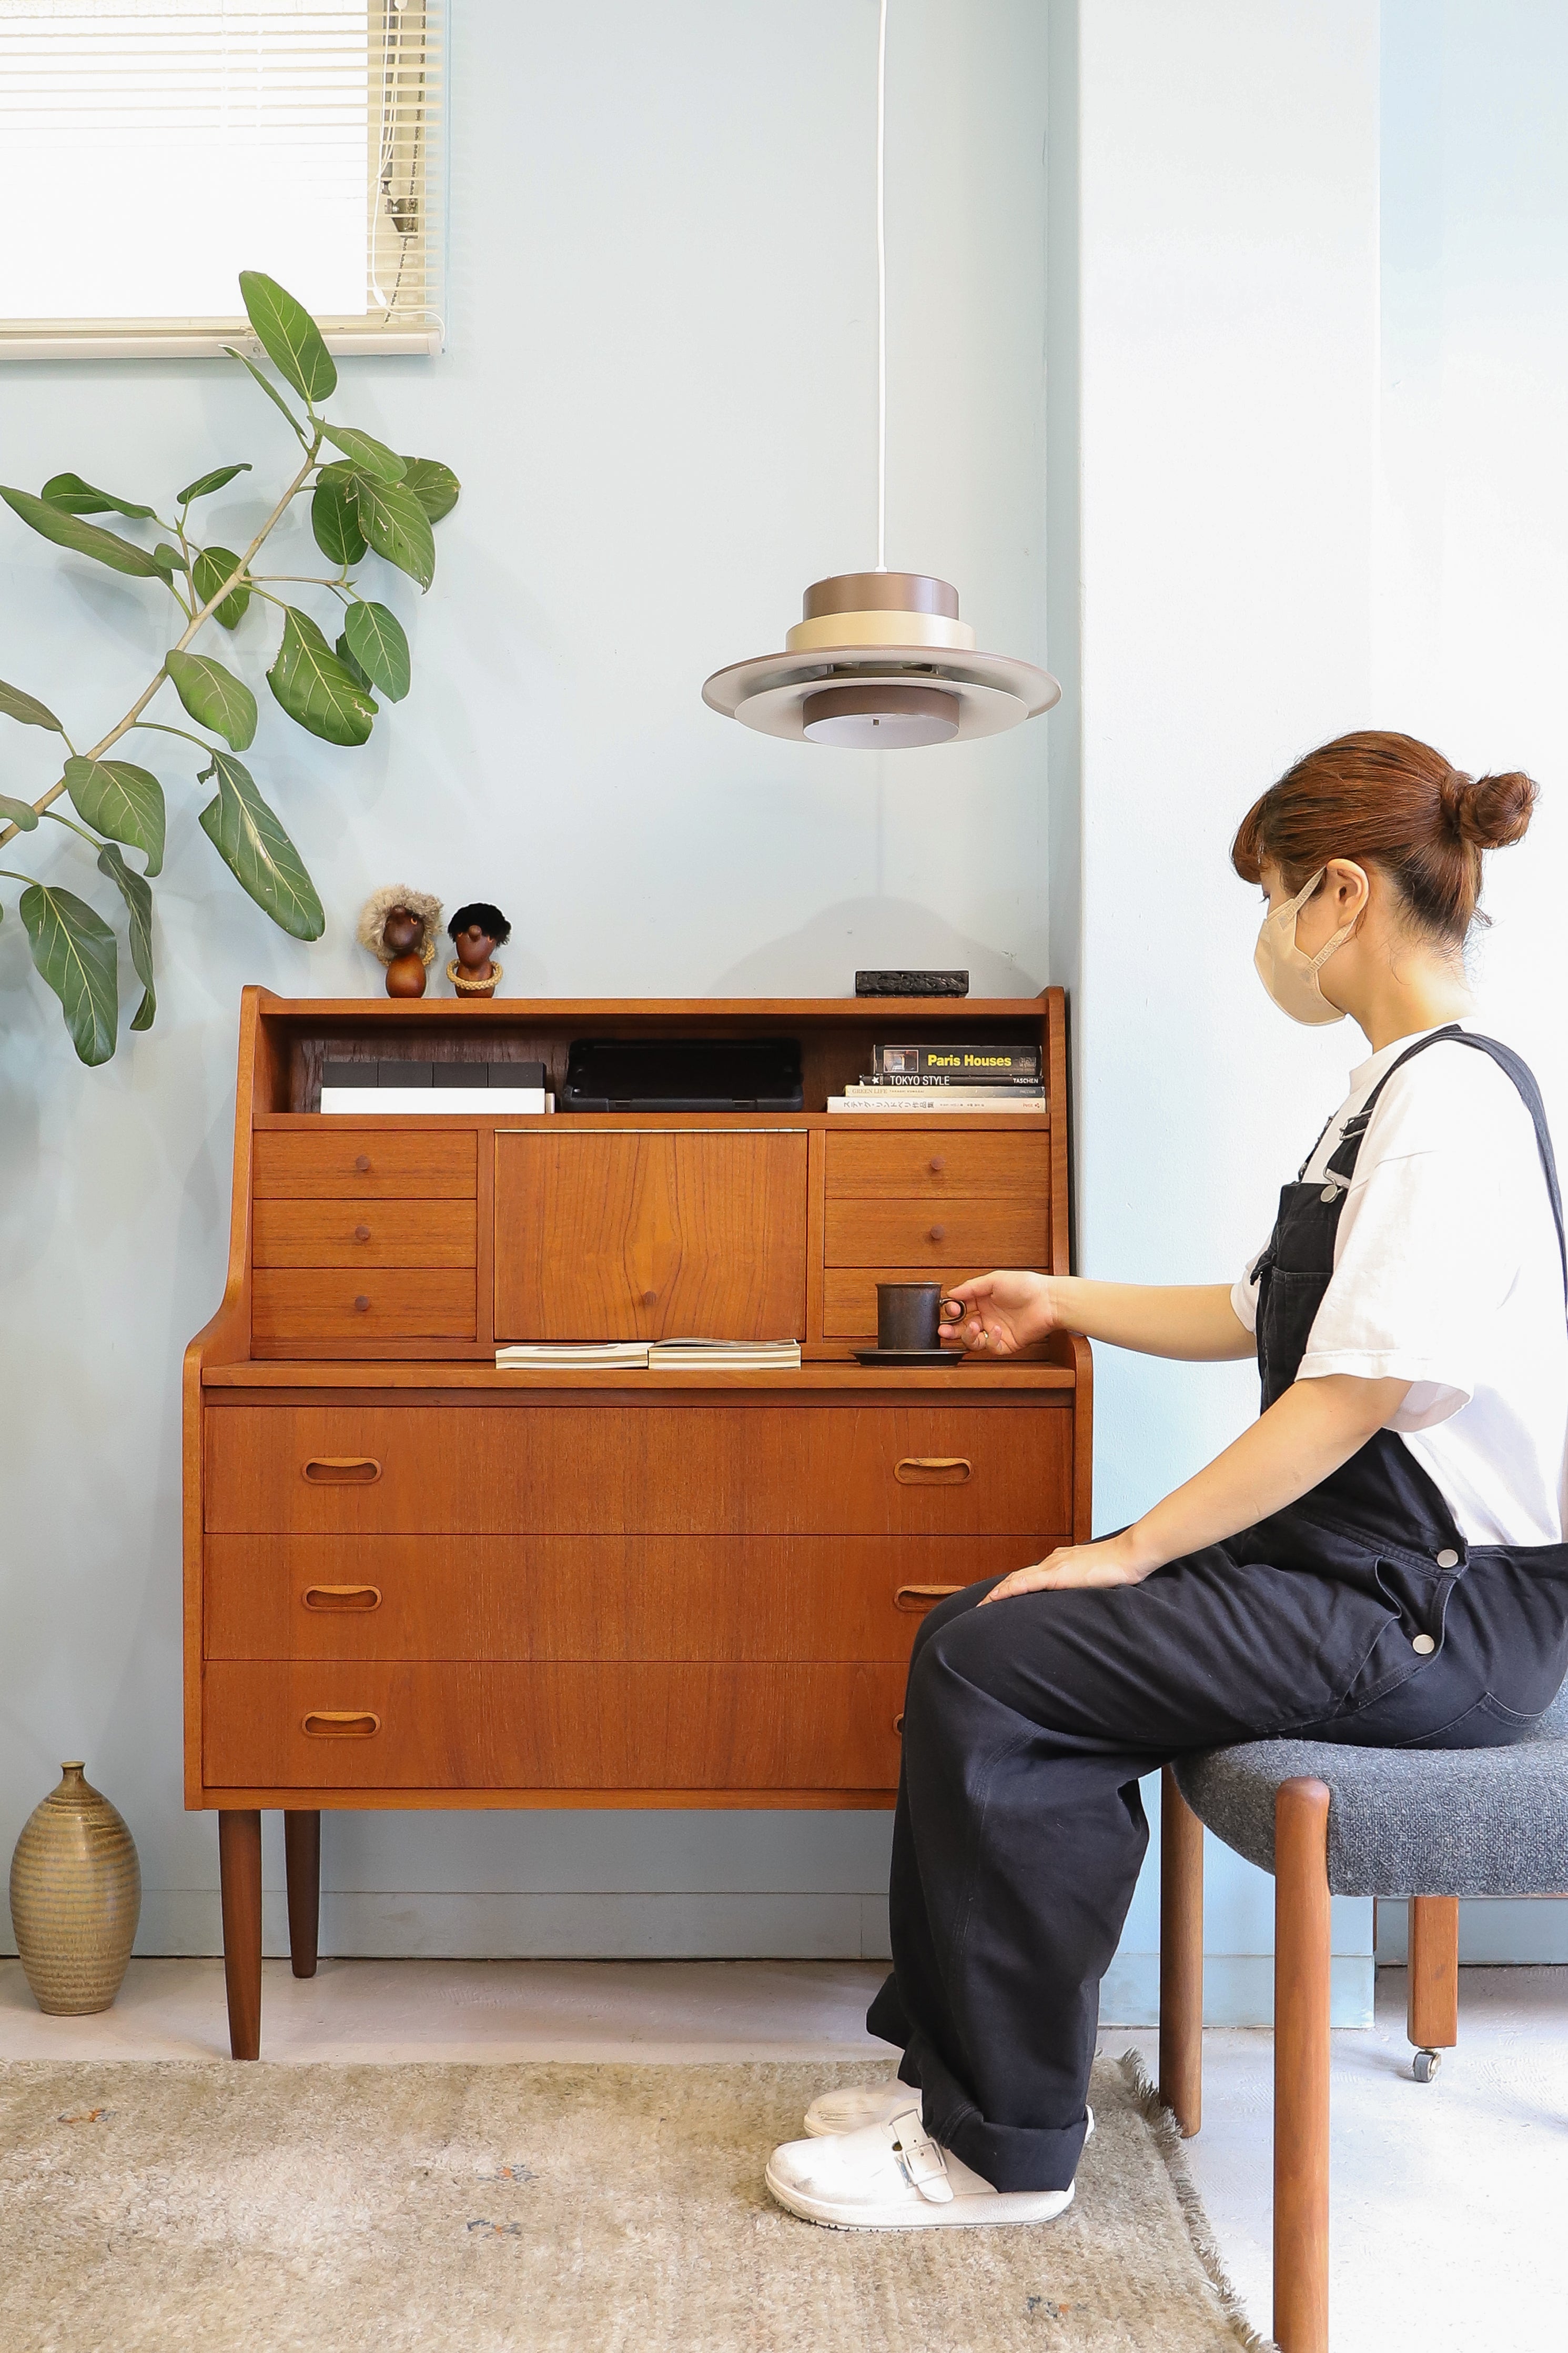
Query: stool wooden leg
[303,1859]
[1432,2017]
[1181,1958]
[1302,1948]
[240,1881]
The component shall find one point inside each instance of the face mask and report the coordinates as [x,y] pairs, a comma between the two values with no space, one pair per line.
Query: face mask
[1288,974]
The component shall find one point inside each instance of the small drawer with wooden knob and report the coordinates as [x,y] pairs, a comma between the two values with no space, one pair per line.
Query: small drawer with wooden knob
[344,1162]
[351,1304]
[379,1233]
[925,1234]
[913,1167]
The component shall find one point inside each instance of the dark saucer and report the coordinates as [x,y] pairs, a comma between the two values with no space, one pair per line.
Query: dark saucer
[908,1355]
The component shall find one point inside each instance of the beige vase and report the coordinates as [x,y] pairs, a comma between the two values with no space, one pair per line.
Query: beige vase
[76,1895]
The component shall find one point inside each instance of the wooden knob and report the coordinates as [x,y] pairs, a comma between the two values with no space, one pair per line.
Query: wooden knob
[937,1164]
[939,1233]
[650,1298]
[361,1305]
[362,1163]
[361,1233]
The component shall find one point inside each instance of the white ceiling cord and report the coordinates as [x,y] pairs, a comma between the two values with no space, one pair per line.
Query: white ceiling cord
[882,290]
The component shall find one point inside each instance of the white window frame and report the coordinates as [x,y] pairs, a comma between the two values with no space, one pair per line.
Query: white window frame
[408,144]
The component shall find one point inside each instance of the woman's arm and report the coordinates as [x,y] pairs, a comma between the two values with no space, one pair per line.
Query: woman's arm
[1005,1311]
[1308,1432]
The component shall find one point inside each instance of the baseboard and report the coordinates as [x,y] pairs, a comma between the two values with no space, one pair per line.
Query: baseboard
[1239,1990]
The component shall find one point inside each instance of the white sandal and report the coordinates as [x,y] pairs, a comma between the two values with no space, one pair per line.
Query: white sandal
[893,2176]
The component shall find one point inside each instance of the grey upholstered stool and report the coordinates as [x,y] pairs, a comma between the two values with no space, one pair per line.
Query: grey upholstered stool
[1428,1824]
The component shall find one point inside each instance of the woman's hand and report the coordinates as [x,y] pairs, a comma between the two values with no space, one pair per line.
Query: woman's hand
[997,1314]
[1118,1560]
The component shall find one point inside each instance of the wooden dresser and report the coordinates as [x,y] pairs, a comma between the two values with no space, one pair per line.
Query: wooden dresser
[414,1580]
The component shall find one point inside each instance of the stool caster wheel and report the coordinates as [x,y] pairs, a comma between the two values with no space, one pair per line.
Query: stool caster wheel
[1425,2065]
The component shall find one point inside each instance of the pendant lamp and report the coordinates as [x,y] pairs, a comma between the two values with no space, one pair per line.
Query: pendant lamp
[880,662]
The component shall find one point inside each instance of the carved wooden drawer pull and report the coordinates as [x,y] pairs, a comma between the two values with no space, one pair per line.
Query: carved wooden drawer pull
[341,1724]
[931,1470]
[899,1723]
[342,1596]
[921,1597]
[342,1471]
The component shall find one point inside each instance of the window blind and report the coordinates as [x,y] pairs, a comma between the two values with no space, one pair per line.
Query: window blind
[150,150]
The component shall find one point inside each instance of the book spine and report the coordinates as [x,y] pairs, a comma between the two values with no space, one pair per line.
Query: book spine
[964,1062]
[947,1078]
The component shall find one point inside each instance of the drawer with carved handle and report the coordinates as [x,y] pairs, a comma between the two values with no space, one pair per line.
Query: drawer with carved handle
[554,1725]
[929,1234]
[392,1596]
[1000,1465]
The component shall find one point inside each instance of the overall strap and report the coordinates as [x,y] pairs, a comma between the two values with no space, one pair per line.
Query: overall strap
[1341,1161]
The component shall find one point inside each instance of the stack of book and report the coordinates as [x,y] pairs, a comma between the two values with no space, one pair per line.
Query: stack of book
[650,1355]
[905,1078]
[408,1085]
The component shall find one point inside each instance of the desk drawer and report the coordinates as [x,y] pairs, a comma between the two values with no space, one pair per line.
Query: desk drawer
[351,1304]
[363,1164]
[964,1231]
[931,1167]
[559,1726]
[998,1467]
[587,1597]
[364,1233]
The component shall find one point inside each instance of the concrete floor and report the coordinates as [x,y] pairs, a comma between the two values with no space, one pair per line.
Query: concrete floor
[1448,2199]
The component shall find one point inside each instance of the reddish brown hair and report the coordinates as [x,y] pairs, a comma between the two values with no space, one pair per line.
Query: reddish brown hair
[1390,802]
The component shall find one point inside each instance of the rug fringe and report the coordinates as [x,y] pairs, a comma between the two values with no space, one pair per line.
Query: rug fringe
[1167,2136]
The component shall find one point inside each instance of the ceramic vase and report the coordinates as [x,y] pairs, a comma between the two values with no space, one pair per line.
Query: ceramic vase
[76,1895]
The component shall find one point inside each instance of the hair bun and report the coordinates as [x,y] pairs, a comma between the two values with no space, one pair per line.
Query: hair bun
[1490,811]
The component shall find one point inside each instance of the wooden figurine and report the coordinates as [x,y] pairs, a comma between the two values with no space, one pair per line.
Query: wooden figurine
[476,931]
[400,926]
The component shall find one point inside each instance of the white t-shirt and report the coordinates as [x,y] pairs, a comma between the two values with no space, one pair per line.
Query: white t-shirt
[1446,1275]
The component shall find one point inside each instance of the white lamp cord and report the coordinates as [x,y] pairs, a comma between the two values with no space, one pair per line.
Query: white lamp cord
[882,290]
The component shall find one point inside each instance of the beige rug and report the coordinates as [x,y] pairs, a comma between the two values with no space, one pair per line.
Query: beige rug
[259,2208]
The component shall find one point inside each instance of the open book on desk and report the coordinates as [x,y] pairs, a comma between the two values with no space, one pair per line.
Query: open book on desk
[644,1355]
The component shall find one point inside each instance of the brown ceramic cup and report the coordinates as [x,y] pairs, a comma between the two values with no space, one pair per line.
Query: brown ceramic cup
[908,1315]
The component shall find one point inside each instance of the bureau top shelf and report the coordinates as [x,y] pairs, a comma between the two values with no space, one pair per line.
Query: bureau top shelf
[837,1374]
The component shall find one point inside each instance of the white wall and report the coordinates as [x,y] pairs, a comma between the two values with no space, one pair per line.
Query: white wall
[1227,353]
[660,391]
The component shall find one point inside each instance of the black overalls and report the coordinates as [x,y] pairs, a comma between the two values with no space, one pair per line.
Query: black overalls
[1357,1614]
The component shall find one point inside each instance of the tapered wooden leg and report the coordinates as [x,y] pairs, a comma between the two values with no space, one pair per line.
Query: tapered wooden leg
[1181,1958]
[239,1879]
[1302,1947]
[1432,2016]
[302,1858]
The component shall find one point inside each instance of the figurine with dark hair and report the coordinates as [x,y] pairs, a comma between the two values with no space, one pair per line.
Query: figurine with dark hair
[476,931]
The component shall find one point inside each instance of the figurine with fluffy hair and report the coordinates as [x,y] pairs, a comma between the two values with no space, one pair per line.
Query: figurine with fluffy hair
[476,931]
[400,926]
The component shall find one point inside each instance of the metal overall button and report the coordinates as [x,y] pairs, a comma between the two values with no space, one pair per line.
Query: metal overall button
[1422,1645]
[1447,1558]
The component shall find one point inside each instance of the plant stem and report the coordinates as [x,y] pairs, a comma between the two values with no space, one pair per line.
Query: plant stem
[163,729]
[89,838]
[133,715]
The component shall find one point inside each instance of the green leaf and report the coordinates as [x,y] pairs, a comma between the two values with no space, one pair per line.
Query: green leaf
[213,697]
[344,652]
[137,894]
[273,395]
[335,524]
[21,814]
[168,559]
[257,853]
[27,709]
[123,802]
[212,567]
[434,485]
[204,487]
[376,641]
[315,688]
[289,336]
[75,953]
[70,492]
[371,456]
[70,531]
[397,526]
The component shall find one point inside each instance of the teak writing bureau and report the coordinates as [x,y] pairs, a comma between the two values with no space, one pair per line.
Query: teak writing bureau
[414,1580]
